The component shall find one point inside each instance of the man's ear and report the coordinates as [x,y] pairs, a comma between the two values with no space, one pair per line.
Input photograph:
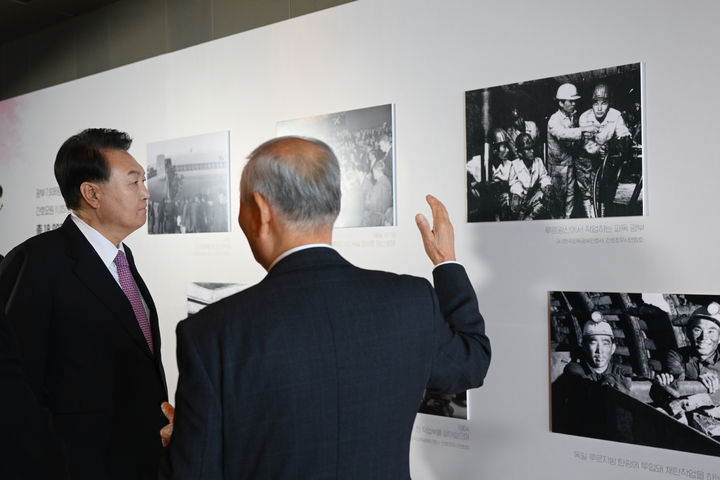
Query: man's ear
[612,350]
[263,211]
[90,192]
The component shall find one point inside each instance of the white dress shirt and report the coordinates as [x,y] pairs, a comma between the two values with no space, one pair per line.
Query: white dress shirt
[106,251]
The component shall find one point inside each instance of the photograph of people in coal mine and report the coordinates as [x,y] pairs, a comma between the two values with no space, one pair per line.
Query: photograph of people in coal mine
[568,146]
[637,368]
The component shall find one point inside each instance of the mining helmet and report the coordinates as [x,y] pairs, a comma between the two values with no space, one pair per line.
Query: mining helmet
[601,92]
[711,312]
[523,141]
[597,326]
[567,91]
[498,135]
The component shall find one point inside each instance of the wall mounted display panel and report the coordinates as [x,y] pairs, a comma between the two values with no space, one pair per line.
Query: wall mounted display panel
[363,142]
[202,294]
[568,146]
[189,181]
[637,368]
[375,53]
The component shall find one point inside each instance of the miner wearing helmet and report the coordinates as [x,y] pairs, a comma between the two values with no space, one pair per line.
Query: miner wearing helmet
[596,364]
[500,159]
[519,125]
[701,359]
[612,136]
[529,182]
[563,136]
[578,400]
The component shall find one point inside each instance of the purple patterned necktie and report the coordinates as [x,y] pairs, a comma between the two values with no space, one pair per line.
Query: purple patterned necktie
[131,292]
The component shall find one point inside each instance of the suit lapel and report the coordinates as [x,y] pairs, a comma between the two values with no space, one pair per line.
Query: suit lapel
[93,273]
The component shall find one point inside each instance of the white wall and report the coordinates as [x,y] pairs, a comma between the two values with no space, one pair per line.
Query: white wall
[422,56]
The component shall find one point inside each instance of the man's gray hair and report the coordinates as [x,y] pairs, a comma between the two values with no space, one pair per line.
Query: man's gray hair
[299,176]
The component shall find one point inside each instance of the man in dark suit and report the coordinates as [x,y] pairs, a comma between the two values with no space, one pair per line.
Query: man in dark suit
[86,325]
[318,370]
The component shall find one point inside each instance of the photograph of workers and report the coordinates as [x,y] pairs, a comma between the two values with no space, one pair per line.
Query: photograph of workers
[636,368]
[189,180]
[365,148]
[568,146]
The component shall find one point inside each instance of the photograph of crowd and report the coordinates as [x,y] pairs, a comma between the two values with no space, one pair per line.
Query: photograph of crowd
[363,142]
[202,294]
[189,181]
[568,146]
[636,368]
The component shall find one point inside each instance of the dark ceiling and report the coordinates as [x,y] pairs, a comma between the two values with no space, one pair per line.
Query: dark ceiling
[23,17]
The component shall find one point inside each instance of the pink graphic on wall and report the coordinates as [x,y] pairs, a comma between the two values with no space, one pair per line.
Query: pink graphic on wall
[9,129]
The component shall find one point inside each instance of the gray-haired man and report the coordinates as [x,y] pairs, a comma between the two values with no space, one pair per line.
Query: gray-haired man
[295,376]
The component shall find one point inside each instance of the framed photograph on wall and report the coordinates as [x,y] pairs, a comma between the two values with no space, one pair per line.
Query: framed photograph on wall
[202,294]
[189,182]
[637,368]
[453,405]
[569,146]
[363,141]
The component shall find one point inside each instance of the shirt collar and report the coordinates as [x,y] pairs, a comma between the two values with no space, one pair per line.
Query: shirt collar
[104,247]
[297,249]
[569,117]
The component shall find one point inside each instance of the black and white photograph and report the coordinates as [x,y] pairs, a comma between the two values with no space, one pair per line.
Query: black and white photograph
[189,182]
[641,368]
[363,141]
[445,405]
[569,146]
[202,294]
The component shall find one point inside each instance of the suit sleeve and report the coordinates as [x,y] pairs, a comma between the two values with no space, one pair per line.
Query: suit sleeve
[195,450]
[462,349]
[24,329]
[26,296]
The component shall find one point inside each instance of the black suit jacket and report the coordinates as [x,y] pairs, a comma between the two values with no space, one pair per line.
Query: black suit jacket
[85,356]
[318,370]
[29,447]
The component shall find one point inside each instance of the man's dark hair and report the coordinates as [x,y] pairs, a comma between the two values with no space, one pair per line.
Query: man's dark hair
[80,159]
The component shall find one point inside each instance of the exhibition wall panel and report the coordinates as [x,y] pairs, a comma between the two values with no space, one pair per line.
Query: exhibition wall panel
[422,57]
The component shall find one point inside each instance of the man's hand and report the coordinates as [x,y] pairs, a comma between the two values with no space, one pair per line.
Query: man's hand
[664,378]
[710,380]
[167,431]
[439,241]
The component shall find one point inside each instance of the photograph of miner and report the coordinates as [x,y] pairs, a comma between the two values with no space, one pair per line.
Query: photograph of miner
[189,180]
[568,146]
[365,148]
[636,368]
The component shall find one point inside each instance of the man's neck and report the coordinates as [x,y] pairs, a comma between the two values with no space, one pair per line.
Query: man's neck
[291,239]
[91,220]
